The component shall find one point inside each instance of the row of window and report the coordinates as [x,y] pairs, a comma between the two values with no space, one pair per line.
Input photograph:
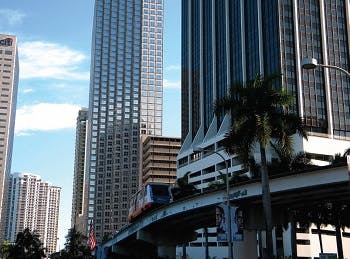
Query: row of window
[152,17]
[6,52]
[153,6]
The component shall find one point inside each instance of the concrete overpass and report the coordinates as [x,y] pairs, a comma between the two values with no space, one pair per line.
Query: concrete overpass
[158,232]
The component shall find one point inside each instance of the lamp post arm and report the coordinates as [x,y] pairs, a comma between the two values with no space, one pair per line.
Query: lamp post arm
[230,252]
[335,67]
[227,176]
[216,152]
[229,239]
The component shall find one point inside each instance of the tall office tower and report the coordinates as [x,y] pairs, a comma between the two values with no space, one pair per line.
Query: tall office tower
[33,204]
[125,101]
[79,201]
[158,155]
[234,40]
[224,41]
[9,70]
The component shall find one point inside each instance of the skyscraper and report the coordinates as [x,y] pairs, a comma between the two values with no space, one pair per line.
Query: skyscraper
[234,40]
[9,70]
[79,200]
[227,41]
[125,101]
[33,204]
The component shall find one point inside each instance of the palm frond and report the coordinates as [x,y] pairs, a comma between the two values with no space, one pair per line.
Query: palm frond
[347,152]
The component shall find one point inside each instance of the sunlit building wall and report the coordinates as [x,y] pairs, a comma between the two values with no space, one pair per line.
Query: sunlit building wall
[9,70]
[79,199]
[159,159]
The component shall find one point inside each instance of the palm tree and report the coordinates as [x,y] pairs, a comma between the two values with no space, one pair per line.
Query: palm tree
[27,245]
[75,246]
[183,188]
[338,158]
[289,162]
[259,113]
[106,237]
[312,214]
[322,214]
[5,249]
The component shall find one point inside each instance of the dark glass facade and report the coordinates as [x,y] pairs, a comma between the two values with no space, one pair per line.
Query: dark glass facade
[251,38]
[195,65]
[287,50]
[338,53]
[270,34]
[221,52]
[235,34]
[185,25]
[315,111]
[208,63]
[267,37]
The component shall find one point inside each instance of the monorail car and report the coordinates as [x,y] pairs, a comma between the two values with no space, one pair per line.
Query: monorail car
[150,196]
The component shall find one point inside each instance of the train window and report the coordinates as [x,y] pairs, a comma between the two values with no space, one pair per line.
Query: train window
[160,190]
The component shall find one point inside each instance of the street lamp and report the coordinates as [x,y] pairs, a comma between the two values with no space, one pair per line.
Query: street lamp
[311,63]
[199,149]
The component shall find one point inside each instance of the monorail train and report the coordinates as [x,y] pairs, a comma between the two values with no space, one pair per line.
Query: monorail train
[150,196]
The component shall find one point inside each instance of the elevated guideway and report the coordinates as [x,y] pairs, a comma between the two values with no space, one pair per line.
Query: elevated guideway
[158,232]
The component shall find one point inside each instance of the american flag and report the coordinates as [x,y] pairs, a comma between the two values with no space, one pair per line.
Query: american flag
[92,240]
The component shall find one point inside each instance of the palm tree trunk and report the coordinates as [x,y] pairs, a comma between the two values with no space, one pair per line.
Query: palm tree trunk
[339,242]
[266,197]
[319,236]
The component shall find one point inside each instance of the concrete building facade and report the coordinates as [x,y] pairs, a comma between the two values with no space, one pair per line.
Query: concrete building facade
[226,41]
[80,181]
[159,159]
[126,91]
[9,70]
[33,204]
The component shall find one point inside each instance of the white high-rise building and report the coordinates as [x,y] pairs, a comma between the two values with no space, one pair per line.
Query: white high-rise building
[126,90]
[9,70]
[33,204]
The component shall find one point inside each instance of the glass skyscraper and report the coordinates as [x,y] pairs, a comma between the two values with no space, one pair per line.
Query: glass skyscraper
[227,41]
[234,40]
[125,102]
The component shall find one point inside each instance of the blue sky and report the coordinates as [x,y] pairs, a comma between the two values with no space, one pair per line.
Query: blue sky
[54,43]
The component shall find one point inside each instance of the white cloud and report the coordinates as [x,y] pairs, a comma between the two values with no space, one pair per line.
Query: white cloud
[49,60]
[171,84]
[23,134]
[45,117]
[11,17]
[28,90]
[173,68]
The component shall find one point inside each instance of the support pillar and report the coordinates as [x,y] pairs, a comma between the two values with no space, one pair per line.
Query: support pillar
[246,248]
[184,253]
[289,241]
[168,252]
